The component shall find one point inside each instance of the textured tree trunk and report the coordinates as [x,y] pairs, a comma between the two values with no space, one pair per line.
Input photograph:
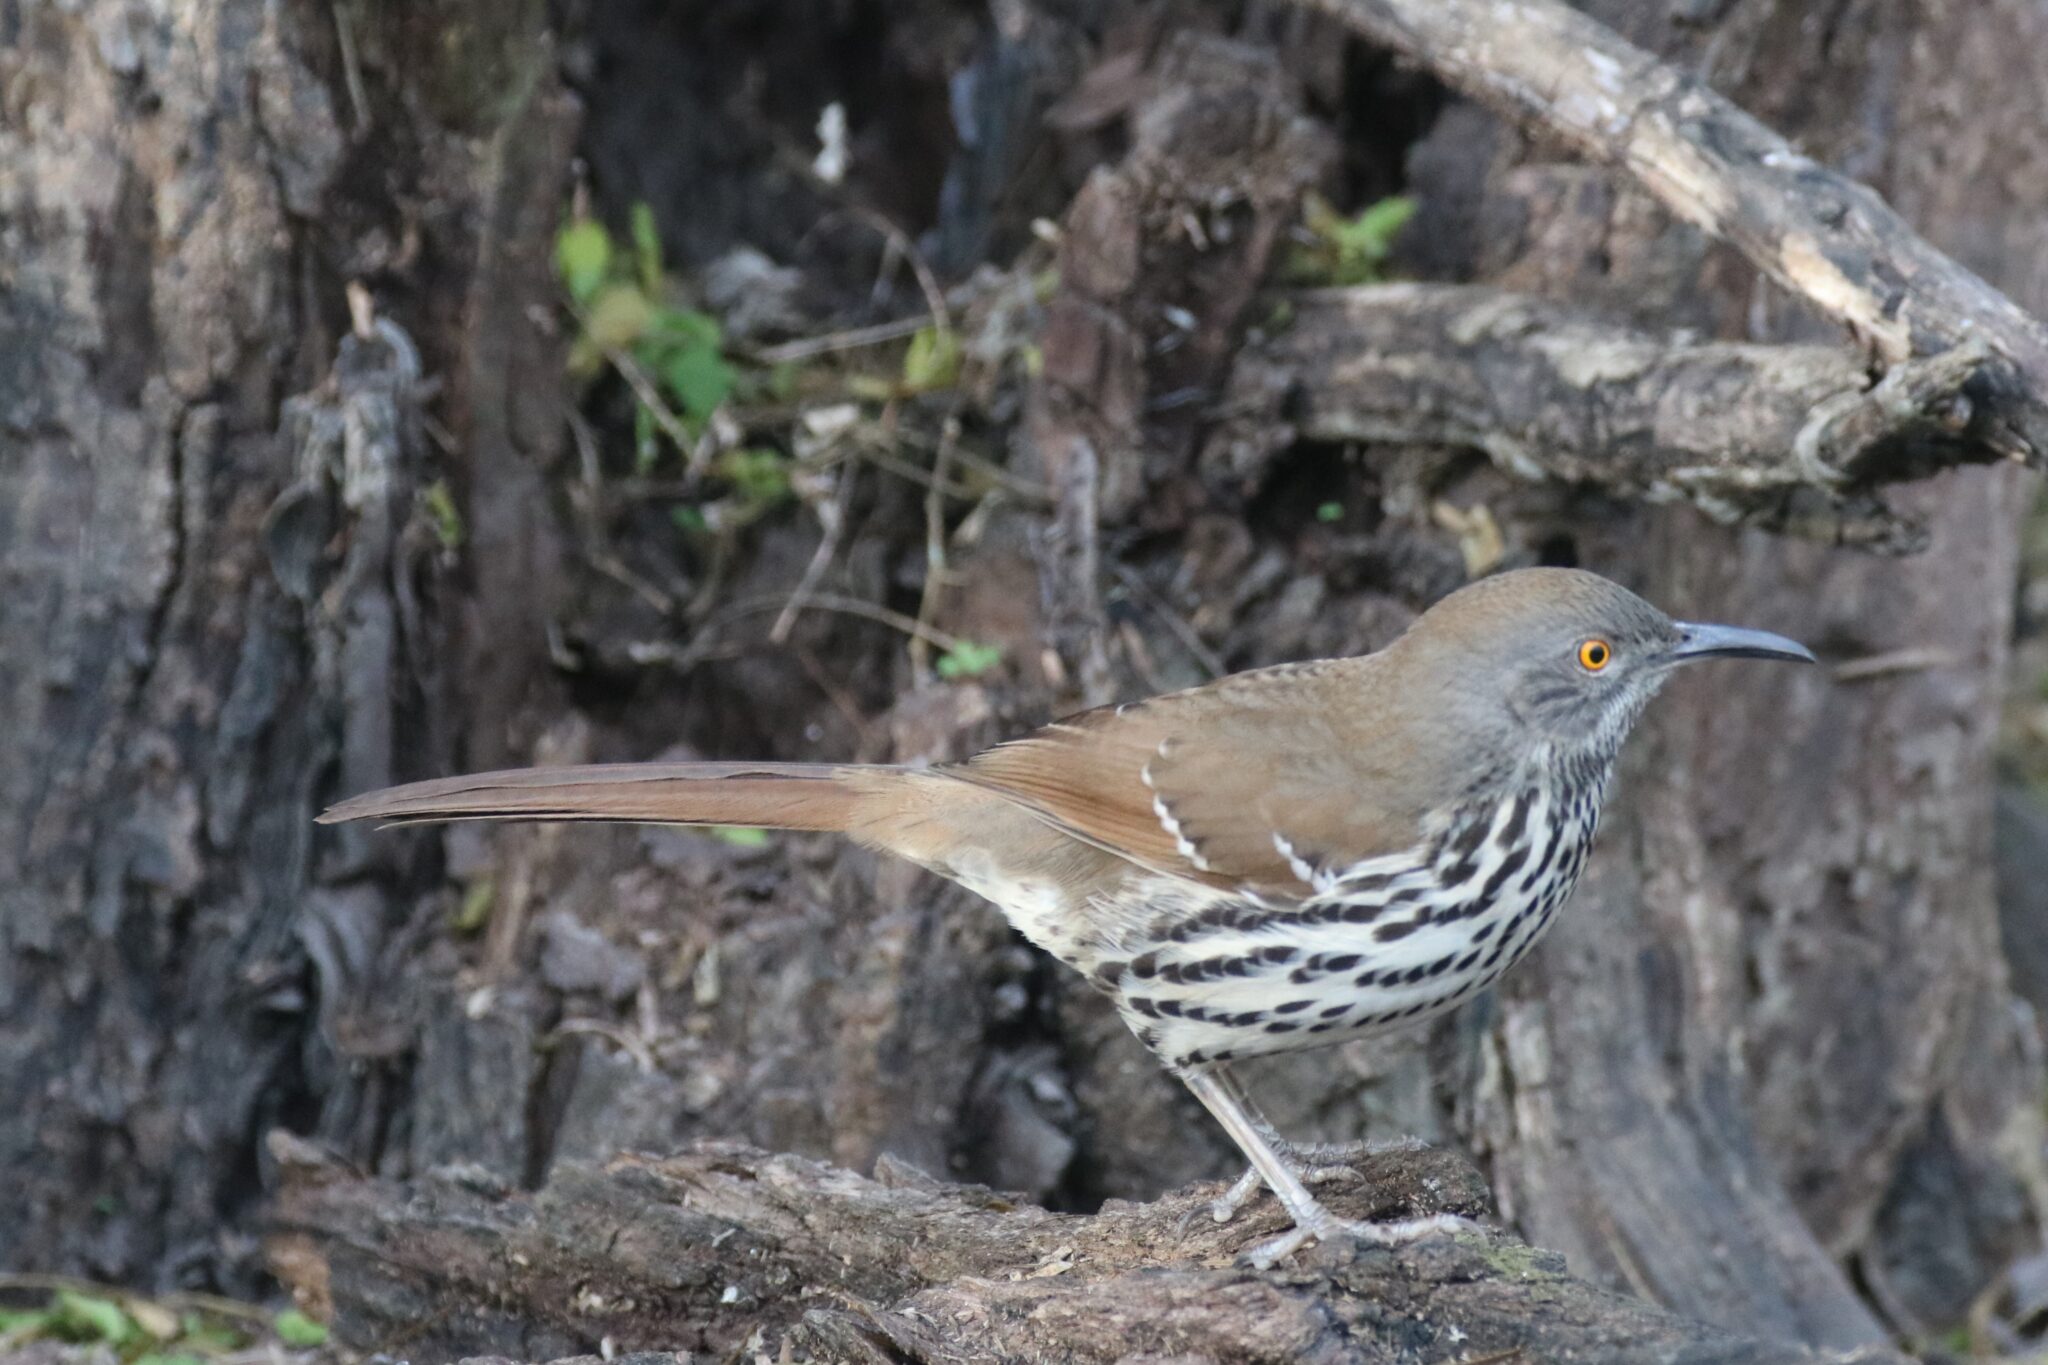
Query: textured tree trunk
[1767,1072]
[185,661]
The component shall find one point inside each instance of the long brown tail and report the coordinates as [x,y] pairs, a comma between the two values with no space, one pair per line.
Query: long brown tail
[807,796]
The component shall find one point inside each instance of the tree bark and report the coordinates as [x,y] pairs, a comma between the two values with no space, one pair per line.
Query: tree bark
[184,193]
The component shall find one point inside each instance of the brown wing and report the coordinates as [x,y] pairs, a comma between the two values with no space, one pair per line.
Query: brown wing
[1198,784]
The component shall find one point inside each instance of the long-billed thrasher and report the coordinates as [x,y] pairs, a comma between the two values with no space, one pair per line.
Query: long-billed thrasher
[1281,859]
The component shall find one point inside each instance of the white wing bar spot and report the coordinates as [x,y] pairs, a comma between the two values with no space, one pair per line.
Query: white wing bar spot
[1300,866]
[1180,840]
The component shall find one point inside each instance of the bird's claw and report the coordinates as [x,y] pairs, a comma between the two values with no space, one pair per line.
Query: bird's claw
[1400,1232]
[1317,1164]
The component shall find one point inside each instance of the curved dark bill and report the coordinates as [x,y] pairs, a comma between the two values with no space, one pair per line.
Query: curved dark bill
[1697,641]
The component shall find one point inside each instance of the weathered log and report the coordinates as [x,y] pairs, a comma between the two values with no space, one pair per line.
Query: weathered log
[721,1245]
[1792,438]
[1824,236]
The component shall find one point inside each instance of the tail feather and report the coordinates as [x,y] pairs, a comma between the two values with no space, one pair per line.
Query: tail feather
[799,796]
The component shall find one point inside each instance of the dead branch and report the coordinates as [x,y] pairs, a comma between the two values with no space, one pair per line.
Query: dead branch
[723,1244]
[1790,437]
[1827,238]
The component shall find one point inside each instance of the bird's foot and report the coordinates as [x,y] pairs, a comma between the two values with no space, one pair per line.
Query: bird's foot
[1388,1234]
[1306,1164]
[1317,1164]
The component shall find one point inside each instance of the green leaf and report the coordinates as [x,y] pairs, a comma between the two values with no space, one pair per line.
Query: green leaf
[646,440]
[646,245]
[758,475]
[208,1338]
[296,1329]
[1347,250]
[1330,511]
[92,1318]
[740,836]
[475,910]
[583,253]
[699,378]
[687,327]
[442,511]
[689,519]
[968,660]
[25,1322]
[618,317]
[1370,235]
[167,1358]
[933,360]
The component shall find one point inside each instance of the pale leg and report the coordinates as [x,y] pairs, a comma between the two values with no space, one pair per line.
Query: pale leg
[1311,1220]
[1315,1164]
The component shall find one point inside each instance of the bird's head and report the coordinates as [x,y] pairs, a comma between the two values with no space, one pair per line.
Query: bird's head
[1567,658]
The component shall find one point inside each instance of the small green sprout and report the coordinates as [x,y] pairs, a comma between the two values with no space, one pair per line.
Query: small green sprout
[294,1328]
[1350,250]
[933,360]
[968,659]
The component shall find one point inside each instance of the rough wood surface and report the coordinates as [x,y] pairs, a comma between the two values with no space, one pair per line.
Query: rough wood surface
[1829,239]
[721,1245]
[214,591]
[1792,438]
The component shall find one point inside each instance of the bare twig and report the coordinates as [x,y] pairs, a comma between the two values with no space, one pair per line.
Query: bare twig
[854,606]
[707,643]
[910,473]
[649,397]
[936,574]
[1827,238]
[832,515]
[803,348]
[588,499]
[1176,624]
[899,241]
[626,1042]
[351,70]
[1911,660]
[215,1304]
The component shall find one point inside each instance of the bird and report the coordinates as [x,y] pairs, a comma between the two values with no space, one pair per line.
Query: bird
[1280,859]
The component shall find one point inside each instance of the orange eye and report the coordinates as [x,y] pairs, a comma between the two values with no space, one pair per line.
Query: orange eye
[1594,655]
